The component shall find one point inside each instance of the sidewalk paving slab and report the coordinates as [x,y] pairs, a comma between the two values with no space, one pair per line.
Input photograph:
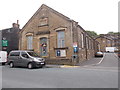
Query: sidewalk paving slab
[92,61]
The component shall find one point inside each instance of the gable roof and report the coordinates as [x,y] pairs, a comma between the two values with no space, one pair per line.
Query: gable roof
[56,12]
[87,34]
[52,10]
[101,36]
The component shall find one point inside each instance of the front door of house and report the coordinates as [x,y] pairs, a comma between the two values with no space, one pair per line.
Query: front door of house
[43,47]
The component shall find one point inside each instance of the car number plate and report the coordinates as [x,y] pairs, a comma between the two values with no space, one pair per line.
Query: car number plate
[42,63]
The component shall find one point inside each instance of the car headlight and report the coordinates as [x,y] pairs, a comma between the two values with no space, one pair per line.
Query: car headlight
[42,59]
[36,60]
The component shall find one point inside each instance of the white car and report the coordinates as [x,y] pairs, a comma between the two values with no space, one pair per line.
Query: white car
[98,54]
[3,57]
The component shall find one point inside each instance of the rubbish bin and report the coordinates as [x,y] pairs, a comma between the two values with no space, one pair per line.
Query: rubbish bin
[74,59]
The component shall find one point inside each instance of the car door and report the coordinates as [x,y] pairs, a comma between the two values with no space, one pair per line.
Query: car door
[14,57]
[24,59]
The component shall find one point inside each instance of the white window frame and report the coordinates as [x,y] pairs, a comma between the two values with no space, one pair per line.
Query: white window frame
[82,37]
[60,40]
[29,42]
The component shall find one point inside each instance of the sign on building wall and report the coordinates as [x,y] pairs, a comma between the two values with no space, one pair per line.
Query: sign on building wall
[4,42]
[58,53]
[75,47]
[61,53]
[75,44]
[43,22]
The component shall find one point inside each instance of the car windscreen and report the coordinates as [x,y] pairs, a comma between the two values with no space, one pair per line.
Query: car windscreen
[33,54]
[99,53]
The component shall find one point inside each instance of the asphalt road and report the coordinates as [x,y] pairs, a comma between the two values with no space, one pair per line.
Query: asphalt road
[104,75]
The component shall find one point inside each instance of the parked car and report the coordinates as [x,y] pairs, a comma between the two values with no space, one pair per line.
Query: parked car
[98,54]
[27,59]
[3,57]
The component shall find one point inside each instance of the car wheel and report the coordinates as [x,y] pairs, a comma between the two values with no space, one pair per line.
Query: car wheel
[11,65]
[30,66]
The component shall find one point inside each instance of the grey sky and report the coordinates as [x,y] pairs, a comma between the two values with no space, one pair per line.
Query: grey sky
[100,16]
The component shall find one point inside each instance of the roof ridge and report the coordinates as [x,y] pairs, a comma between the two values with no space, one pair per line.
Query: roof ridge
[43,5]
[55,11]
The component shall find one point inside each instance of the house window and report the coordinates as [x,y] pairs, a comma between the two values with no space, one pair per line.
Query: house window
[87,42]
[108,41]
[82,36]
[29,42]
[43,46]
[61,39]
[93,45]
[90,44]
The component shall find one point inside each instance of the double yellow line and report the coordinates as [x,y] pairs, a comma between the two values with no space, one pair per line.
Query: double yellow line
[68,66]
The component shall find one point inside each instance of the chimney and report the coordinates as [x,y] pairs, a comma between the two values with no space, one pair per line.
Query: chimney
[16,25]
[17,21]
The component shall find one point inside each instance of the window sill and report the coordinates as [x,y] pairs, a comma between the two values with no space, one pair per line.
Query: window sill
[61,48]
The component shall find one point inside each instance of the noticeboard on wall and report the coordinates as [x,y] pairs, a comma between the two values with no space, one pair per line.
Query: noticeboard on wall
[61,53]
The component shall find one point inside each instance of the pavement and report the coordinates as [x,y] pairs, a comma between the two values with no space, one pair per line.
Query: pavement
[92,61]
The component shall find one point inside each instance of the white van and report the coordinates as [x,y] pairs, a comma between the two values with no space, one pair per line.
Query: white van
[3,57]
[110,49]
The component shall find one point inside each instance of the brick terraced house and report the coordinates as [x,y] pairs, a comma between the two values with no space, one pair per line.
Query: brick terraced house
[108,40]
[9,38]
[56,37]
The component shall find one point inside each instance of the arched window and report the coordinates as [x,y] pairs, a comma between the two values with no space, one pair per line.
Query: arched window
[61,39]
[29,42]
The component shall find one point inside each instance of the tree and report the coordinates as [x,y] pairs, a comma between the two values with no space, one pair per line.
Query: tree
[92,33]
[111,32]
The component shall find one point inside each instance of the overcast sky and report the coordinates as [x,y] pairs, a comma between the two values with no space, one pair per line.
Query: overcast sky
[100,16]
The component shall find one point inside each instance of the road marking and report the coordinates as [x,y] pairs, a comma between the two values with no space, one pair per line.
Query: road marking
[68,66]
[97,63]
[116,55]
[101,60]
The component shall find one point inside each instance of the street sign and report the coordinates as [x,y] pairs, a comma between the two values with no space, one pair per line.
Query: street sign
[75,44]
[61,53]
[75,49]
[58,52]
[4,42]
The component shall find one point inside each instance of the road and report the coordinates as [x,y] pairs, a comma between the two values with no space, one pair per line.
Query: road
[104,75]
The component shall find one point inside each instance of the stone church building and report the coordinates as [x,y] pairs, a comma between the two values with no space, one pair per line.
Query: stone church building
[56,37]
